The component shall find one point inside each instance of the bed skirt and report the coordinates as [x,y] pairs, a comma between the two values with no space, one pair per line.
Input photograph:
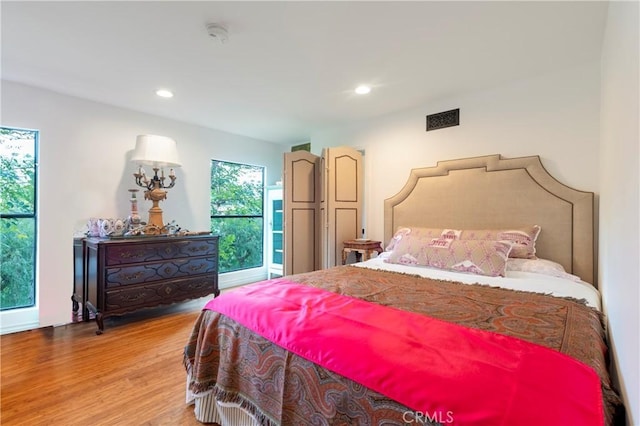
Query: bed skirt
[208,410]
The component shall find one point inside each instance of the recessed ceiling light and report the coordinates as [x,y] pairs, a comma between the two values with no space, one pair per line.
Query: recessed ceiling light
[163,93]
[363,90]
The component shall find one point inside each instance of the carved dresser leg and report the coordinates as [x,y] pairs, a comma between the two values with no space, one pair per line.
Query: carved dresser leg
[100,323]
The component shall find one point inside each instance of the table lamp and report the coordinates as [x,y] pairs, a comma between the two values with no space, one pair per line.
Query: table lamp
[158,152]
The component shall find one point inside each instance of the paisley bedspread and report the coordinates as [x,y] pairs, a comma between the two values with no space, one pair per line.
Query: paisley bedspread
[278,387]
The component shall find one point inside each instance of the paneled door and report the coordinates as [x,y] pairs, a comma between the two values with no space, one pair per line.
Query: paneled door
[322,207]
[302,222]
[341,203]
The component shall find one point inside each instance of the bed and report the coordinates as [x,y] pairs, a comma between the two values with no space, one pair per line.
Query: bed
[511,335]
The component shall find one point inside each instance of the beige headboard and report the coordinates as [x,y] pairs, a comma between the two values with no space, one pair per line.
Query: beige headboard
[492,192]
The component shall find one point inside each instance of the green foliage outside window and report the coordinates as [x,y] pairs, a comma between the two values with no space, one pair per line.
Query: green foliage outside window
[237,214]
[17,218]
[17,277]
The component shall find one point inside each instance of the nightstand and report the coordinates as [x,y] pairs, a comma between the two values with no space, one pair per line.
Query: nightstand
[363,249]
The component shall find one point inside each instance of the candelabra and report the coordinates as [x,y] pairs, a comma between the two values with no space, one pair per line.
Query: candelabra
[158,152]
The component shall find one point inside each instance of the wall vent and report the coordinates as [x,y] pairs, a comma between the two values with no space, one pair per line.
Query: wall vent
[443,119]
[302,147]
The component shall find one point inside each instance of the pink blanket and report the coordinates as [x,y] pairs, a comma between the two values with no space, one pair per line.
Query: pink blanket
[440,371]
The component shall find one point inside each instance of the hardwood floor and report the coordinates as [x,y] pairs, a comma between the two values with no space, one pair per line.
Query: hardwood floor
[130,375]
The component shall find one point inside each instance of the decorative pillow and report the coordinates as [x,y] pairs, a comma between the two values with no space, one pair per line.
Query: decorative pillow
[471,256]
[523,239]
[401,232]
[426,234]
[540,266]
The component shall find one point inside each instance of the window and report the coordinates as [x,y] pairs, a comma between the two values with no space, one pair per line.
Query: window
[18,164]
[237,214]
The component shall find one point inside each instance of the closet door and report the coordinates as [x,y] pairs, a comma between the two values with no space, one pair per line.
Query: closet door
[302,222]
[342,202]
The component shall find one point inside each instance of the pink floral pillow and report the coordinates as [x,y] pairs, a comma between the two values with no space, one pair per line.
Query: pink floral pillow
[426,234]
[401,232]
[471,256]
[523,239]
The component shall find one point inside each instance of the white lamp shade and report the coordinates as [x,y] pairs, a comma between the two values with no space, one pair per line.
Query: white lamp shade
[156,151]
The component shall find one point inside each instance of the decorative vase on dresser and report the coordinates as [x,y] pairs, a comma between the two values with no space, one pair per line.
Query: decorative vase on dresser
[124,275]
[134,217]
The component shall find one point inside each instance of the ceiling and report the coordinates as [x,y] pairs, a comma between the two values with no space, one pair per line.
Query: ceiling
[289,68]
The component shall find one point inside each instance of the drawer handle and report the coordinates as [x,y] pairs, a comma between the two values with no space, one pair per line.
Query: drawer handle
[197,286]
[130,277]
[130,254]
[134,297]
[198,248]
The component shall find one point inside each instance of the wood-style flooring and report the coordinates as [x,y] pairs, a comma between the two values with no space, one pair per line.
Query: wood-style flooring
[131,375]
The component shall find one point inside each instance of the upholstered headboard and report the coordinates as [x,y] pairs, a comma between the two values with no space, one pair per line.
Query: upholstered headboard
[491,192]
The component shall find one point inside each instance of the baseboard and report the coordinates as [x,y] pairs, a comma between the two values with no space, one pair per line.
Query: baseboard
[236,278]
[17,320]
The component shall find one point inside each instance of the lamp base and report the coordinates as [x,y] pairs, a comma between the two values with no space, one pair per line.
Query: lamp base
[155,217]
[155,225]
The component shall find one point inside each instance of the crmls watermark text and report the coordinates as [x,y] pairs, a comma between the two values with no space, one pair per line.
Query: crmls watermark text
[424,418]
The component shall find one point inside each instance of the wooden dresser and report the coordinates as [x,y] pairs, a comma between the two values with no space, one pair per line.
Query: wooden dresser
[124,275]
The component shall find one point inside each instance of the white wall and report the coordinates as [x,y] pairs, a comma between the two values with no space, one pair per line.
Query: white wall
[619,186]
[555,116]
[85,172]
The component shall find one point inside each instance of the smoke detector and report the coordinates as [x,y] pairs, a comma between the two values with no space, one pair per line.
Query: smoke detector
[218,33]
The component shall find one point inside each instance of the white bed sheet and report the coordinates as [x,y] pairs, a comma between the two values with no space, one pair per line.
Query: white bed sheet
[514,280]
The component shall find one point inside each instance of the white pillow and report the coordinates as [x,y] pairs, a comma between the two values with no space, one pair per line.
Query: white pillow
[540,266]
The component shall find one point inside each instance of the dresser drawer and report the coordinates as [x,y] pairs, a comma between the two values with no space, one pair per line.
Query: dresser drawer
[155,271]
[152,294]
[119,254]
